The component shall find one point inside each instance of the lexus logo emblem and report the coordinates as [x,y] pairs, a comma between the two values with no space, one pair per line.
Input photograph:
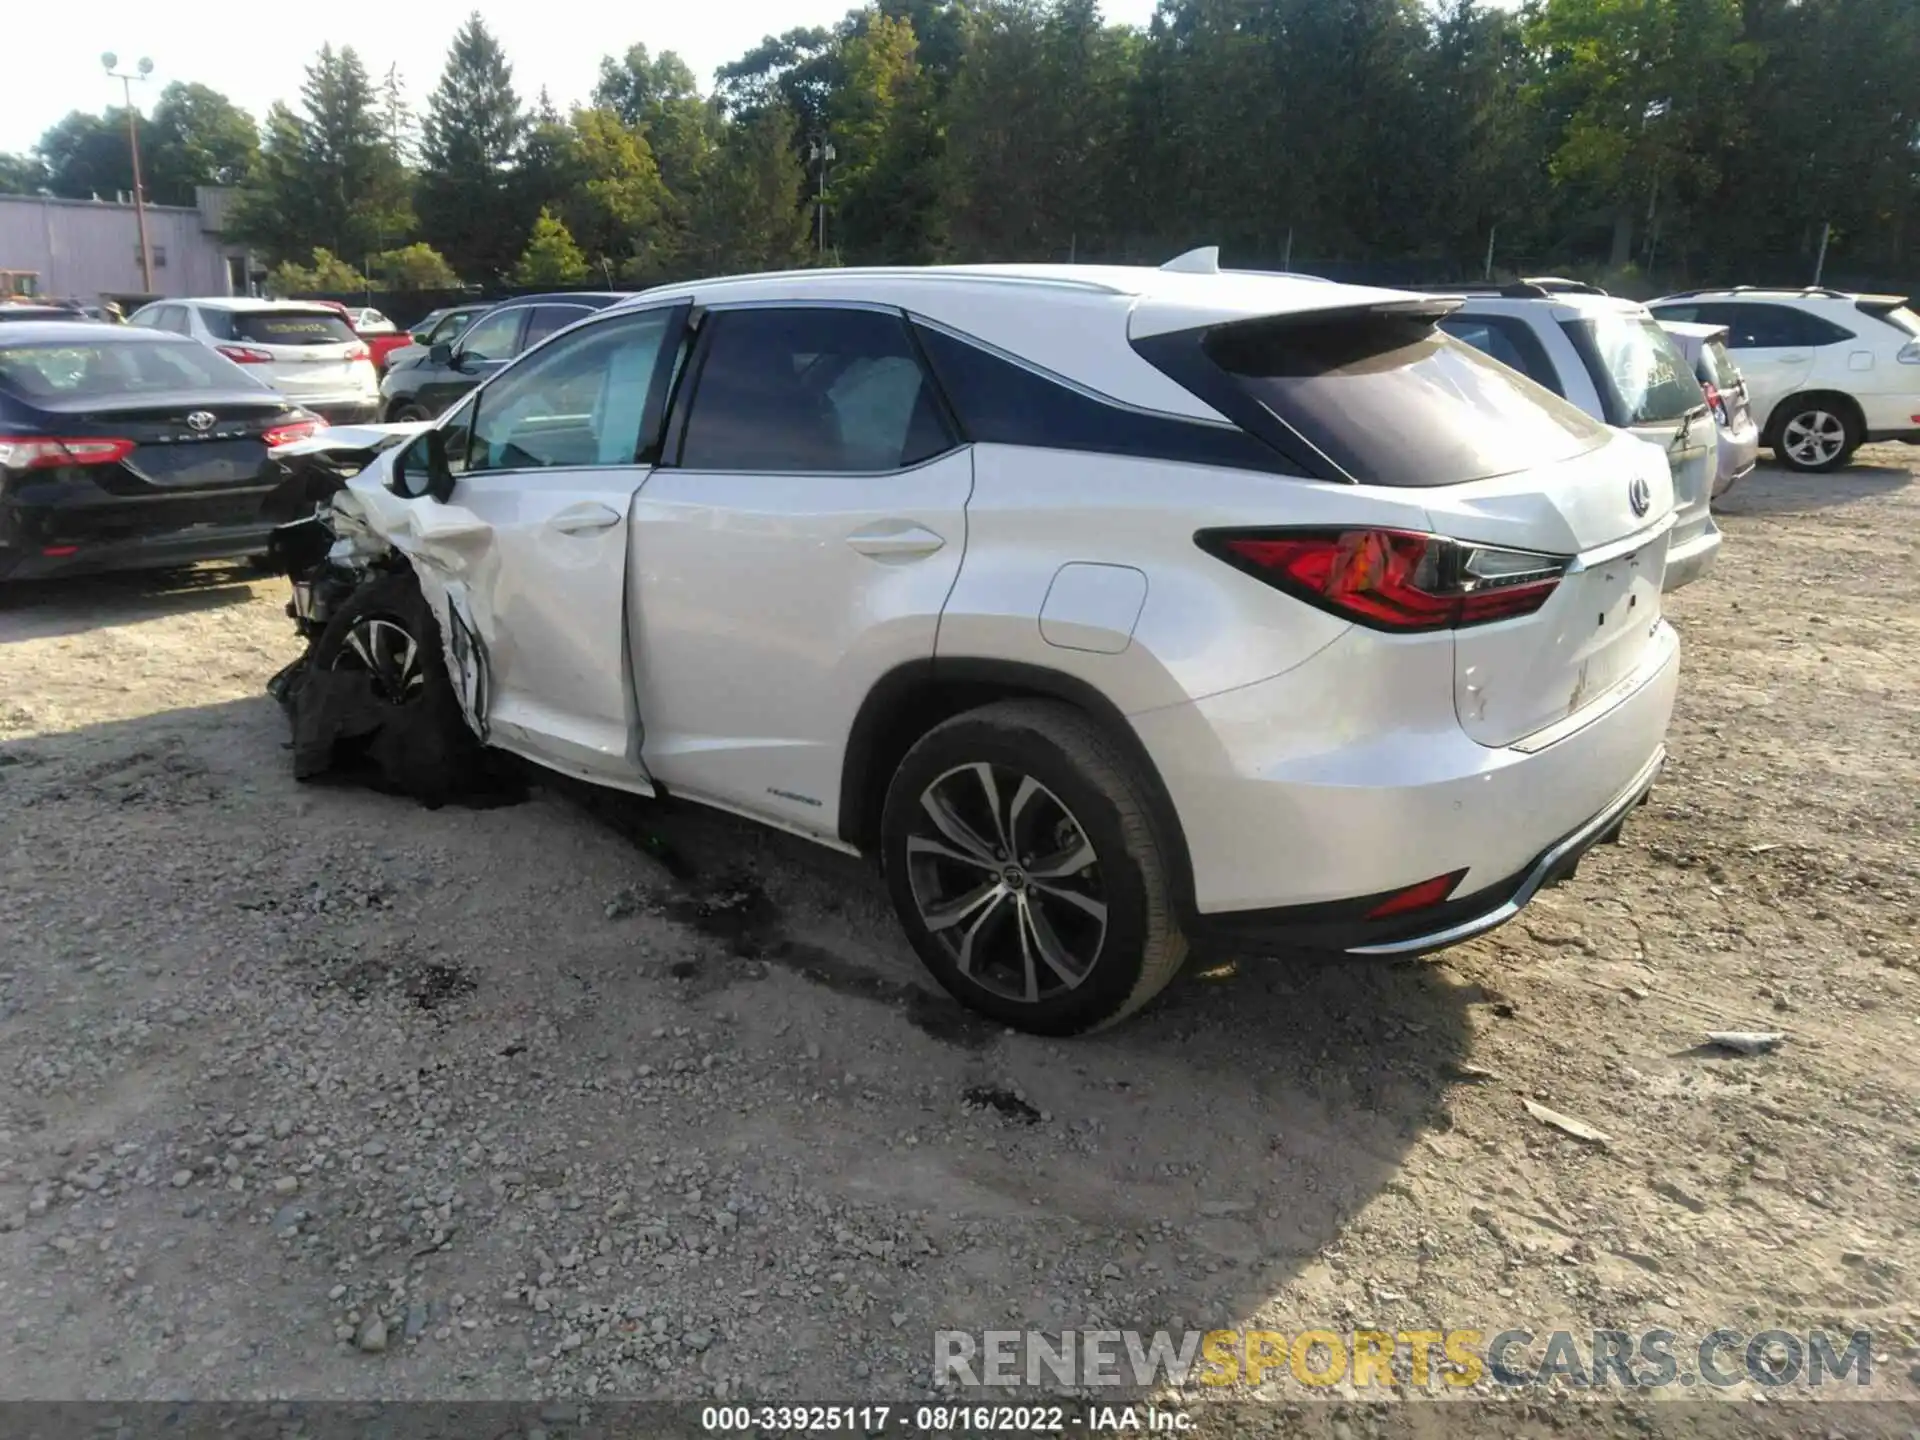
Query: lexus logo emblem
[1640,496]
[202,421]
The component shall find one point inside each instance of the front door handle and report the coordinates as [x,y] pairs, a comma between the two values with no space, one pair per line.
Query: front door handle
[1793,359]
[585,519]
[895,539]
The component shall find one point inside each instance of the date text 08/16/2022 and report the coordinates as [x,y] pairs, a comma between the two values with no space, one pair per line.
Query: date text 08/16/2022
[944,1419]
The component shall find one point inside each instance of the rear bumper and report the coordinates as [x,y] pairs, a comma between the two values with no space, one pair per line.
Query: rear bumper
[149,552]
[74,527]
[1690,556]
[357,411]
[1308,798]
[1895,416]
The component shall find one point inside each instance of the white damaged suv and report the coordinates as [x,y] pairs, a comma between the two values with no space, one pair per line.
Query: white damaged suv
[1111,610]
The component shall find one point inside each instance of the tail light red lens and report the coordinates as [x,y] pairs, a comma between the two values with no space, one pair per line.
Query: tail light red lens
[360,352]
[1399,580]
[41,452]
[245,354]
[297,430]
[1714,400]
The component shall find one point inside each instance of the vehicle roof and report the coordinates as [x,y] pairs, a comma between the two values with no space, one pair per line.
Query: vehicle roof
[1566,304]
[609,297]
[1779,292]
[1075,321]
[22,331]
[249,302]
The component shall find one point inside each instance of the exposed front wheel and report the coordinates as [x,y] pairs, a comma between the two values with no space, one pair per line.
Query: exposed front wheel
[376,685]
[1815,434]
[406,414]
[1023,862]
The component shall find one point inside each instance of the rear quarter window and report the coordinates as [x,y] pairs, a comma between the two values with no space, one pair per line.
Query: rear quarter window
[1392,400]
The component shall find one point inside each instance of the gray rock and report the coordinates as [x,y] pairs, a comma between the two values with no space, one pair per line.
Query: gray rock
[182,1179]
[372,1338]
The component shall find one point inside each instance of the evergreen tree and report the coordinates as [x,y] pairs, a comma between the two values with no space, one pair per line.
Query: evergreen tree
[471,209]
[551,257]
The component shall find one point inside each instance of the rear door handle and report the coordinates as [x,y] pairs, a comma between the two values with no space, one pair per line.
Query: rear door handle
[1793,359]
[895,539]
[585,519]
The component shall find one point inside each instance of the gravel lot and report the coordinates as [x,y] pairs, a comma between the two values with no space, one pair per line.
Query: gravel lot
[311,1092]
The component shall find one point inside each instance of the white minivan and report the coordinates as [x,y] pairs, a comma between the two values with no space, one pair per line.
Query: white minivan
[307,352]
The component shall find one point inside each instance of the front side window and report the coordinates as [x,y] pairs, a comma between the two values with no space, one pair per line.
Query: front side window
[581,402]
[494,336]
[811,388]
[1642,377]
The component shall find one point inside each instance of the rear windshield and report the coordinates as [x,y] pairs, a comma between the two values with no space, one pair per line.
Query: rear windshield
[280,327]
[1642,377]
[1717,367]
[69,371]
[1393,401]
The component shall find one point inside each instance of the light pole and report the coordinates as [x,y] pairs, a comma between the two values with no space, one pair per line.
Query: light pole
[820,151]
[110,61]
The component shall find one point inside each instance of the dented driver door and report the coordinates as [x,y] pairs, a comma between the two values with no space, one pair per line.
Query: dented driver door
[546,460]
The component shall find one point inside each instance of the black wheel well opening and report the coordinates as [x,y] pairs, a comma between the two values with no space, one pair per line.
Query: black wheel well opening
[909,702]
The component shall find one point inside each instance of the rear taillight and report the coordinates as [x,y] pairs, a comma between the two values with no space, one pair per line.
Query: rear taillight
[39,452]
[1714,402]
[1909,353]
[245,354]
[1393,579]
[360,352]
[297,430]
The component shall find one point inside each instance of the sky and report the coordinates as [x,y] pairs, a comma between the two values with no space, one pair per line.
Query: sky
[255,54]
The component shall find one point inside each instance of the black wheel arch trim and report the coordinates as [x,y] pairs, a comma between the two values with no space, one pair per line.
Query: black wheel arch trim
[875,744]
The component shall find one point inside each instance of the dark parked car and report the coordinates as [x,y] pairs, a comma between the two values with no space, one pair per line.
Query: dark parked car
[445,323]
[123,447]
[18,312]
[420,389]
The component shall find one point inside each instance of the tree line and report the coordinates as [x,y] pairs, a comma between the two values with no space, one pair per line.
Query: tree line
[1711,140]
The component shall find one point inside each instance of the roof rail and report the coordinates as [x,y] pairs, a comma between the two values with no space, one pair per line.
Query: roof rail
[1517,290]
[1559,285]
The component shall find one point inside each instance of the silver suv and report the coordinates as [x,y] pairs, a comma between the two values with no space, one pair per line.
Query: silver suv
[1610,357]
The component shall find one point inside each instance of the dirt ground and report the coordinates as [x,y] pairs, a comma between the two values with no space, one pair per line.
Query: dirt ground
[310,1092]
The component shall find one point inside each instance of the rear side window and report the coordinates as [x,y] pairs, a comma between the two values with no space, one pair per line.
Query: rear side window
[1642,377]
[1001,403]
[1752,326]
[1391,400]
[546,319]
[811,389]
[1507,340]
[279,327]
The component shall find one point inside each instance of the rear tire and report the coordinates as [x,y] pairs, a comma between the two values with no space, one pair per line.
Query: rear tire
[1023,863]
[1815,433]
[411,728]
[406,414]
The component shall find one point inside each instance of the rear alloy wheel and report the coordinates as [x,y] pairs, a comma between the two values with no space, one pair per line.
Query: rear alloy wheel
[1815,435]
[1023,864]
[406,415]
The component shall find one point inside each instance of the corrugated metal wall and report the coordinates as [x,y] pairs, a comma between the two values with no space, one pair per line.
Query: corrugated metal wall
[86,249]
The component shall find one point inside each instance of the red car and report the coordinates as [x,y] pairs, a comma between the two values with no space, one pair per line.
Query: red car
[381,343]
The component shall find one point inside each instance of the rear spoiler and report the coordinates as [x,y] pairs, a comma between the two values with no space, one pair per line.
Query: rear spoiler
[1877,305]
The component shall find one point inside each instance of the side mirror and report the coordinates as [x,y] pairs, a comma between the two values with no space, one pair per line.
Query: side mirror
[420,469]
[441,354]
